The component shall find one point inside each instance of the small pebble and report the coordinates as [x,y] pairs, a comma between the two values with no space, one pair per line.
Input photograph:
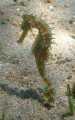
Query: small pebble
[70,21]
[66,5]
[18,9]
[49,1]
[51,7]
[0,64]
[22,3]
[69,77]
[15,0]
[2,22]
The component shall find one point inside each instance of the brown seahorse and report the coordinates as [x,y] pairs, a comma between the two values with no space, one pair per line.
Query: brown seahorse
[40,49]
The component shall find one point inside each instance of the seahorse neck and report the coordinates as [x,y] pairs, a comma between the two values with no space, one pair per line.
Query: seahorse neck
[37,24]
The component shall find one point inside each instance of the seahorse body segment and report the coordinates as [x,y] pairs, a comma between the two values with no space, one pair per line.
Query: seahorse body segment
[40,48]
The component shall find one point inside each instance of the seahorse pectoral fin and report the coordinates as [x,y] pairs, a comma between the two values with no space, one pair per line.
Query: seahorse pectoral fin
[22,37]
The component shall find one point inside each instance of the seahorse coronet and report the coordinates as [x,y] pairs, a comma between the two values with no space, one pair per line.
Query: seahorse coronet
[40,48]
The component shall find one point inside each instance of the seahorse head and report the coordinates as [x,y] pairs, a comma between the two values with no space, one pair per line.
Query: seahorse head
[27,21]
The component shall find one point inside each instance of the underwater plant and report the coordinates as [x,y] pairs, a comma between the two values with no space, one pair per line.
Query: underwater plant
[70,99]
[40,49]
[73,91]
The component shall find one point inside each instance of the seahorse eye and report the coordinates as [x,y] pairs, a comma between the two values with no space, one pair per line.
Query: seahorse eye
[23,26]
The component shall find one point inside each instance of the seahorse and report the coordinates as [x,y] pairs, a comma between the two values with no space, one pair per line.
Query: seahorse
[40,49]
